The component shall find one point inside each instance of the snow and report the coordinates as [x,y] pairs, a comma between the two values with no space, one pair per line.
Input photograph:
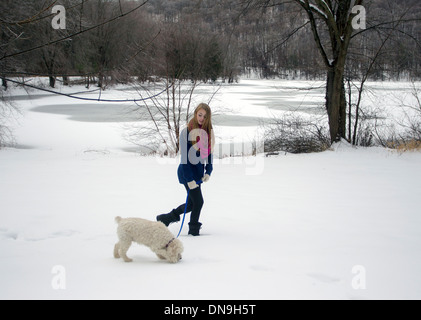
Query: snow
[317,9]
[313,226]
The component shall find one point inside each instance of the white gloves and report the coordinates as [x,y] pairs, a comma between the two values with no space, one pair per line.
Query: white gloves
[206,178]
[192,185]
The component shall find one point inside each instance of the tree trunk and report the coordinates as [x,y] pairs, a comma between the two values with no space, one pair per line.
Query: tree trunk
[336,104]
[52,81]
[66,81]
[100,80]
[4,82]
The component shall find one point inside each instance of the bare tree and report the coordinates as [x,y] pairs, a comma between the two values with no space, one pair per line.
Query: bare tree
[411,124]
[163,116]
[332,25]
[28,41]
[334,18]
[8,113]
[27,36]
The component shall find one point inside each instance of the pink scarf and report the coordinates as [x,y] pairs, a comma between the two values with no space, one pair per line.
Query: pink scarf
[203,144]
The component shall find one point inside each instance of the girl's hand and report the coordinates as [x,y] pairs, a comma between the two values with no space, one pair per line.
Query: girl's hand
[206,178]
[192,185]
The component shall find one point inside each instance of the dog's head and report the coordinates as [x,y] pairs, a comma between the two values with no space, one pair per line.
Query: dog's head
[174,251]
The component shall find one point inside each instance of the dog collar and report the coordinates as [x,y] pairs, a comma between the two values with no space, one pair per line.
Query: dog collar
[172,240]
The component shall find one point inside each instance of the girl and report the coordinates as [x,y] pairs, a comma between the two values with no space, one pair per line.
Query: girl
[196,146]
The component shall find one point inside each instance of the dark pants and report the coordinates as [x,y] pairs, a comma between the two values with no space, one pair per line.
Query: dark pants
[194,205]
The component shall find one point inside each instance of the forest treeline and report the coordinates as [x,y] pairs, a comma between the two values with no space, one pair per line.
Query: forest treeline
[200,40]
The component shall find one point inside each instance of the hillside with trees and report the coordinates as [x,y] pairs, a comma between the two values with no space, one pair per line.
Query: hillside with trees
[113,41]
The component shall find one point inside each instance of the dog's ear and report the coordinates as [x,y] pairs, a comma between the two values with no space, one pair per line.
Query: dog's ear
[171,247]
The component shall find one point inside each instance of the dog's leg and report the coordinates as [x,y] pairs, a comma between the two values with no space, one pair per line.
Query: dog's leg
[124,247]
[116,250]
[160,256]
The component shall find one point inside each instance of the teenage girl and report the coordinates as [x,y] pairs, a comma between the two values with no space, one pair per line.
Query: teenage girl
[196,166]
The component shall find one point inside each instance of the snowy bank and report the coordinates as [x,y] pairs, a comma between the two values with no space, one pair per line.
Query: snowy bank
[343,224]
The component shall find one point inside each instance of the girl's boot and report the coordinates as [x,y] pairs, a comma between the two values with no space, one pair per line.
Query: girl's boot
[168,218]
[194,228]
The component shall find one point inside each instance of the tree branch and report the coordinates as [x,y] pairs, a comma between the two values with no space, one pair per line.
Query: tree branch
[31,19]
[75,34]
[306,5]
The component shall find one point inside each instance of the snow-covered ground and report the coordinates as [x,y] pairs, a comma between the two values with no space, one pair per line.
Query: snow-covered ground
[343,224]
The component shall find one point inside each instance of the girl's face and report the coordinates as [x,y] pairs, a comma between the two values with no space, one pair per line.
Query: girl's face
[201,116]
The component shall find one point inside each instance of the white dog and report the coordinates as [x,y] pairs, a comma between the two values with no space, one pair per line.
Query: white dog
[155,235]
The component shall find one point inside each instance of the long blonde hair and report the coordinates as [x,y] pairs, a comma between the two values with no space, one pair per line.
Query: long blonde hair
[207,124]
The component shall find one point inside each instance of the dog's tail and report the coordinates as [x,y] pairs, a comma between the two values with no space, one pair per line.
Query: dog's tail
[118,219]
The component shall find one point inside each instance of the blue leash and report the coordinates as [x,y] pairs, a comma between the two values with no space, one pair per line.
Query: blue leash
[185,208]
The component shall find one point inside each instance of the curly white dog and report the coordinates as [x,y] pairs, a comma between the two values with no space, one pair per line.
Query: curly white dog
[155,235]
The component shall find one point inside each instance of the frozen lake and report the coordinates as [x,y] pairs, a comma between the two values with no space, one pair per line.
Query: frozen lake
[242,104]
[238,105]
[239,110]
